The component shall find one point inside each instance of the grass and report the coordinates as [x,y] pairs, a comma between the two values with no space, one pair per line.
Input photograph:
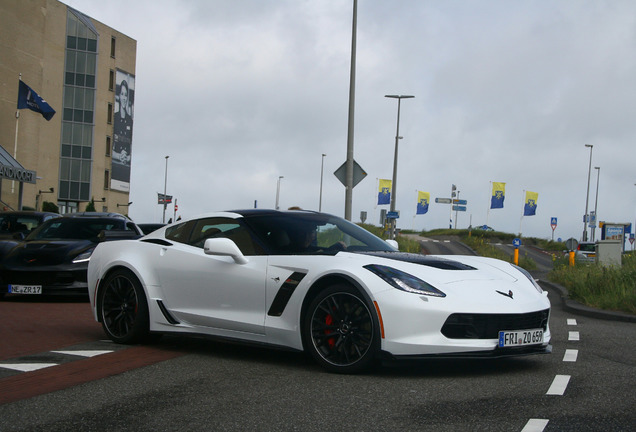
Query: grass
[609,288]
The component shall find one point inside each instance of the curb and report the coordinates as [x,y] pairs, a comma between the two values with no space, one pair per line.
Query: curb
[576,307]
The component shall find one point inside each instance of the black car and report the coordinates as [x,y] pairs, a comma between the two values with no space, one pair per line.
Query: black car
[18,224]
[53,259]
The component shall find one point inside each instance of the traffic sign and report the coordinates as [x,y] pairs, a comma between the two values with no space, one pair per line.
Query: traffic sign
[392,215]
[516,242]
[460,201]
[553,223]
[459,208]
[443,200]
[358,174]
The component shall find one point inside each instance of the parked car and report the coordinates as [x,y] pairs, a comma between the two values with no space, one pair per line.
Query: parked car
[314,282]
[18,224]
[586,252]
[53,259]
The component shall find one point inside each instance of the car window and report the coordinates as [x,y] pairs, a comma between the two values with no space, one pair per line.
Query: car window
[232,229]
[75,228]
[179,232]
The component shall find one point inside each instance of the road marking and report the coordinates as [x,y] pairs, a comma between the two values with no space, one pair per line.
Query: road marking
[572,321]
[85,353]
[535,425]
[26,367]
[573,336]
[570,355]
[559,385]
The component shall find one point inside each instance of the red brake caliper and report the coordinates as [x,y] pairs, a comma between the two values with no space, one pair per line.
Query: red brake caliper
[329,321]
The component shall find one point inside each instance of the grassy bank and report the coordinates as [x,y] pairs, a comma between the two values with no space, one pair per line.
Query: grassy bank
[609,288]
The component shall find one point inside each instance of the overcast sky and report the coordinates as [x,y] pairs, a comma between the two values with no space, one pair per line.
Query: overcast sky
[240,92]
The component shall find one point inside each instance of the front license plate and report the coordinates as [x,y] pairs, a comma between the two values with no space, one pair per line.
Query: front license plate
[25,289]
[512,338]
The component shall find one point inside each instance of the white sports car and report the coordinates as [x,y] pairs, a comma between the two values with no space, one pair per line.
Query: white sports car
[314,282]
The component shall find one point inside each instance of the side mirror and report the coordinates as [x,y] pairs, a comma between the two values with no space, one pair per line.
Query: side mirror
[224,247]
[393,244]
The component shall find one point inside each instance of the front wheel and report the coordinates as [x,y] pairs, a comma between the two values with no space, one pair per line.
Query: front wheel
[123,308]
[341,330]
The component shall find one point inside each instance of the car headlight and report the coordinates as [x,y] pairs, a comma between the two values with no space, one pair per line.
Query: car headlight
[530,278]
[84,256]
[404,281]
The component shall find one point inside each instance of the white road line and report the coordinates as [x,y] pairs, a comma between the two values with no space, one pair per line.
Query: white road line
[85,353]
[535,425]
[573,336]
[26,367]
[571,321]
[559,385]
[570,355]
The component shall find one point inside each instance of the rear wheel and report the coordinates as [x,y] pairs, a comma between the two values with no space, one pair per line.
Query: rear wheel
[123,308]
[341,330]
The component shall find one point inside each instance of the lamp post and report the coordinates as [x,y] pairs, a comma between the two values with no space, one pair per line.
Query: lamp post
[322,167]
[278,191]
[37,197]
[598,175]
[165,190]
[125,205]
[587,195]
[395,160]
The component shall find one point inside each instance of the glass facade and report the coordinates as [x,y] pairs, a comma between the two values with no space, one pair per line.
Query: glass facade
[78,110]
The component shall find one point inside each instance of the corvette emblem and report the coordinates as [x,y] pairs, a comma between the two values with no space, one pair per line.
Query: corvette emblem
[504,294]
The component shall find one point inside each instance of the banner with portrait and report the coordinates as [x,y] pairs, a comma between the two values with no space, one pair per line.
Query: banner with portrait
[122,131]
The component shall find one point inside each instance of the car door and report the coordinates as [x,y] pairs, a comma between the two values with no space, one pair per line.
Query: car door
[214,291]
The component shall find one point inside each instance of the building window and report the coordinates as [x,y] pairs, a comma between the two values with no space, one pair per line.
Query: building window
[106,179]
[108,145]
[111,80]
[110,113]
[112,46]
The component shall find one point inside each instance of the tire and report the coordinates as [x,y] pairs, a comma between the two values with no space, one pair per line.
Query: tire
[341,330]
[123,308]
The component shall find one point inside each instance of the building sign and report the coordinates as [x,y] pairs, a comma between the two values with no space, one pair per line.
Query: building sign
[17,174]
[122,131]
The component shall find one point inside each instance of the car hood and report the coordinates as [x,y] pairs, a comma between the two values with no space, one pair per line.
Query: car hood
[46,252]
[448,269]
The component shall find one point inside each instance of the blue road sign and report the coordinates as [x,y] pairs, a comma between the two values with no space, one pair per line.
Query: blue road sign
[516,242]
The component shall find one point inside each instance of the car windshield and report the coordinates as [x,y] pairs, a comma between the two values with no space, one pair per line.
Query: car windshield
[311,233]
[11,223]
[75,228]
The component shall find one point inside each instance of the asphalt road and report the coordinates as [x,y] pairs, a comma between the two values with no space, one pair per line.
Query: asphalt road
[186,384]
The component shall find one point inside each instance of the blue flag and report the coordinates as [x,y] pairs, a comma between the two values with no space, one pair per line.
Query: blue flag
[423,199]
[28,98]
[384,192]
[498,195]
[530,207]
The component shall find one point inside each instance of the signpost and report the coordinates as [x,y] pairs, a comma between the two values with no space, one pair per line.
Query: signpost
[553,224]
[516,243]
[456,205]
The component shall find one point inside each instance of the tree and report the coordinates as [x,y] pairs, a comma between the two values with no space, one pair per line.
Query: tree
[91,206]
[50,207]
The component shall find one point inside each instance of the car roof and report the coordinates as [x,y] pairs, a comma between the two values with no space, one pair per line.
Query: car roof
[96,215]
[28,213]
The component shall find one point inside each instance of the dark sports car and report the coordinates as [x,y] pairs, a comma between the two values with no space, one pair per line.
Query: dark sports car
[53,259]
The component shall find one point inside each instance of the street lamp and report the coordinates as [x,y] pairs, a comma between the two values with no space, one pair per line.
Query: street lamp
[395,159]
[322,167]
[598,175]
[587,196]
[125,205]
[37,197]
[278,191]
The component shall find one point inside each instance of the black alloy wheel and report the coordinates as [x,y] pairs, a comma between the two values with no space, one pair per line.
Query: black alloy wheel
[341,331]
[123,308]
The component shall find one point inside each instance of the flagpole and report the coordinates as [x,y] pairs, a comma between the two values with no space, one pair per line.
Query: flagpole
[489,205]
[15,143]
[522,211]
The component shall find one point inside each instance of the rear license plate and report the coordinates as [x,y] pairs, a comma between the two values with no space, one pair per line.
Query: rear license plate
[511,338]
[25,289]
